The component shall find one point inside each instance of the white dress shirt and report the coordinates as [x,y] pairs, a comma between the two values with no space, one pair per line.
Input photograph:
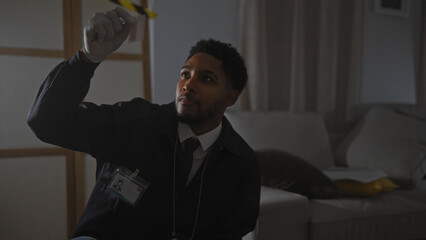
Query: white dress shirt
[206,141]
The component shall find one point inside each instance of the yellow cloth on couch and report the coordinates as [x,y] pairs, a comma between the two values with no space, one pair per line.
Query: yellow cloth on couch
[351,188]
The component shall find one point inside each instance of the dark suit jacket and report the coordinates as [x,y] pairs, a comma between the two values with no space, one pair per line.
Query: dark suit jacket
[141,135]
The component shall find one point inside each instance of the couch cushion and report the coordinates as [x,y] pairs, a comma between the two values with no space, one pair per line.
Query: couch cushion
[393,143]
[301,134]
[410,110]
[283,215]
[288,172]
[415,195]
[386,216]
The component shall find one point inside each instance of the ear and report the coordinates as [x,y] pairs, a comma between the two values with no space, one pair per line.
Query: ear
[232,97]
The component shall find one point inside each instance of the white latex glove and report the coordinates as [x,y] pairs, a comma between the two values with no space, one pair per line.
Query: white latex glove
[105,32]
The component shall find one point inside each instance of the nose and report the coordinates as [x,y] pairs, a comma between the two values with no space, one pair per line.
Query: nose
[190,84]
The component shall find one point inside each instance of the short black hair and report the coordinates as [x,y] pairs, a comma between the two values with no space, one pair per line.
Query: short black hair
[232,62]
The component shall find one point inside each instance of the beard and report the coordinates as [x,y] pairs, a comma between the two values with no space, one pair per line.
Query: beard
[198,115]
[190,119]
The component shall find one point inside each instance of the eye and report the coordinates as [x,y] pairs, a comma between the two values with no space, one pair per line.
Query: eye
[208,78]
[185,74]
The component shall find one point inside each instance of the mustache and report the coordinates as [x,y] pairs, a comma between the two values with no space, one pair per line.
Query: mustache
[188,97]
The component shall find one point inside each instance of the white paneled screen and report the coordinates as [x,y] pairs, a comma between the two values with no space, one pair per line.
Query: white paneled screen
[33,198]
[115,81]
[21,78]
[31,24]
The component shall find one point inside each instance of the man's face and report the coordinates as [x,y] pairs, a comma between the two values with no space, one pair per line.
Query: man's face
[202,92]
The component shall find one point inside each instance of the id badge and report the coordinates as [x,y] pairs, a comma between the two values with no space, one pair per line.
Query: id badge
[128,186]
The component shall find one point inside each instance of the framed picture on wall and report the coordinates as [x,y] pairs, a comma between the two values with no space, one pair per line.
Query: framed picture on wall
[398,8]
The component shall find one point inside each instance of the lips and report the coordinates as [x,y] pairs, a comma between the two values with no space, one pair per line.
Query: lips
[187,99]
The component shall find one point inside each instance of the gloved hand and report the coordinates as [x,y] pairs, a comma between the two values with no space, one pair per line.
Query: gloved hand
[105,32]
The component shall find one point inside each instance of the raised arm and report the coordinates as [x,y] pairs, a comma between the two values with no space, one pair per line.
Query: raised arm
[57,115]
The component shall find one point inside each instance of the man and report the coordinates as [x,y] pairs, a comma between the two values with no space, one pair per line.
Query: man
[211,192]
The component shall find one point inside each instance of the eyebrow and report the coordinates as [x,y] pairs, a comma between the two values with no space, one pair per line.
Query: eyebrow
[186,67]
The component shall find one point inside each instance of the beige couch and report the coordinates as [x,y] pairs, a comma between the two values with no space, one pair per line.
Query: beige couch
[384,140]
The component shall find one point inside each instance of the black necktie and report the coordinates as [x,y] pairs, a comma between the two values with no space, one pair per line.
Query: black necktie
[189,147]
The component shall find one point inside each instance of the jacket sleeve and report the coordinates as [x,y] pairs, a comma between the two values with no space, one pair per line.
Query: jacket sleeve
[58,115]
[240,217]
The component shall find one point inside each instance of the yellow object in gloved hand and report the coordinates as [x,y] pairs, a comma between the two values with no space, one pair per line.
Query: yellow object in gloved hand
[135,8]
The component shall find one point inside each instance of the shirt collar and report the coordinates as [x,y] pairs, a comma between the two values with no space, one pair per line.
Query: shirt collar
[206,139]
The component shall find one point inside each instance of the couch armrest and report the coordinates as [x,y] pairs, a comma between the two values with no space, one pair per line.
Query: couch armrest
[283,215]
